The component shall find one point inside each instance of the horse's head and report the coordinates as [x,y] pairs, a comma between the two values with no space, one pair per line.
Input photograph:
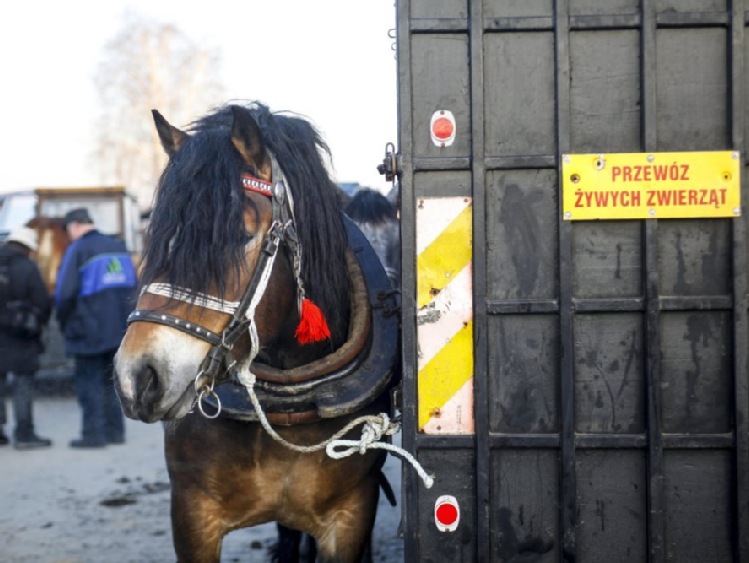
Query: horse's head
[215,290]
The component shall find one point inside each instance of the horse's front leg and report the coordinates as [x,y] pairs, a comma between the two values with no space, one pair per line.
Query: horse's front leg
[197,526]
[348,534]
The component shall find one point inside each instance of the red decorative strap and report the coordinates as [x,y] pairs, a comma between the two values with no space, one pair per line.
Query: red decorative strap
[312,324]
[253,184]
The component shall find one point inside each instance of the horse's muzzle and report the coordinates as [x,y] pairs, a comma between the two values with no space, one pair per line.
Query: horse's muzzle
[147,393]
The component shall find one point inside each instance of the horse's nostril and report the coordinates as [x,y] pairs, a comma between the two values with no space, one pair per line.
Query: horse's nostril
[147,389]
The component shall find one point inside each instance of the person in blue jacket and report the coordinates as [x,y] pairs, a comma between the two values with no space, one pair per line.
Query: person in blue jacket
[94,296]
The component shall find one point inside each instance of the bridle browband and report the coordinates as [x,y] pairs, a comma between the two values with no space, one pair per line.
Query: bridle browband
[215,368]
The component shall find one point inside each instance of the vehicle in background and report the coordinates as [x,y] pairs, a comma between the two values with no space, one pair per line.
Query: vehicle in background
[114,211]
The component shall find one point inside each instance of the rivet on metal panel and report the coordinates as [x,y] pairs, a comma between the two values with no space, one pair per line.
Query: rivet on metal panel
[567,215]
[448,274]
[420,204]
[651,212]
[566,159]
[727,176]
[434,291]
[600,162]
[651,158]
[435,412]
[575,178]
[737,211]
[735,155]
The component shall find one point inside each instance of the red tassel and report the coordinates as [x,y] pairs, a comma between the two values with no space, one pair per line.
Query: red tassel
[312,325]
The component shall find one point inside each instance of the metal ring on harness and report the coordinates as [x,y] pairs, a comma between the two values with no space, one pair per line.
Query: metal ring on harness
[203,391]
[208,392]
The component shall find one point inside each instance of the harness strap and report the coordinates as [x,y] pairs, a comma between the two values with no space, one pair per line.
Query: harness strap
[201,299]
[244,315]
[193,329]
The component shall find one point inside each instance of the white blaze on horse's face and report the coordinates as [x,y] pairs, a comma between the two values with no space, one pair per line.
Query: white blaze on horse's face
[156,365]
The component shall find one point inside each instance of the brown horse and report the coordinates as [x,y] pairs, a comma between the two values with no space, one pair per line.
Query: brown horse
[261,304]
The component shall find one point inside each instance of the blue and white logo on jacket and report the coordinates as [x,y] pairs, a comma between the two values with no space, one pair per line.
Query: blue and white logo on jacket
[107,271]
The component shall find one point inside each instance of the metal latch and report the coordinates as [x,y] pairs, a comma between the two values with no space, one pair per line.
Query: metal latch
[391,164]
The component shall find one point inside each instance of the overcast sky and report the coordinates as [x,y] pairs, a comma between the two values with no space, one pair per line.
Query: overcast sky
[330,60]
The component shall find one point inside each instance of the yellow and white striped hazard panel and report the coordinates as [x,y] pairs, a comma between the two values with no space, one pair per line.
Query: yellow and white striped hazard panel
[444,315]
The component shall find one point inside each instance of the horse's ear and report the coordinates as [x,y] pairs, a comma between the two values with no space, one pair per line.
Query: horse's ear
[247,139]
[171,137]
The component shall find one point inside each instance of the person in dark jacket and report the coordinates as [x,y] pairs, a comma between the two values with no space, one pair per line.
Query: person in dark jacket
[94,296]
[21,290]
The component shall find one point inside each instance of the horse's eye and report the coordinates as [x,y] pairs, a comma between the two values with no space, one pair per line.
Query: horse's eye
[247,238]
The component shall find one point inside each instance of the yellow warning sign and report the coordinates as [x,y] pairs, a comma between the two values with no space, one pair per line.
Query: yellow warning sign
[666,185]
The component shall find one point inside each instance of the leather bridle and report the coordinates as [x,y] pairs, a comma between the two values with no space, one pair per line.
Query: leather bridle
[216,366]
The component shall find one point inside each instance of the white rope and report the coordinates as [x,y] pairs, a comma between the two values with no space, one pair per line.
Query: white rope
[371,435]
[375,427]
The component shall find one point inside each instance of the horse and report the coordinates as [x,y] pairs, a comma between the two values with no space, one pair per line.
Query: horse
[263,333]
[377,217]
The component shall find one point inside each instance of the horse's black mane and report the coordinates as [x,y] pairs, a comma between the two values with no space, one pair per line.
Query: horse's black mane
[197,228]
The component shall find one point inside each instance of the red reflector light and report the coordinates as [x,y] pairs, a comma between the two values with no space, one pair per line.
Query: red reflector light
[446,513]
[443,128]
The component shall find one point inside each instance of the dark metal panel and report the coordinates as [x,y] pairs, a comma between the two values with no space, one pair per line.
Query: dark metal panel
[441,163]
[517,8]
[612,504]
[523,374]
[690,5]
[699,497]
[568,477]
[697,303]
[608,259]
[446,442]
[655,494]
[692,19]
[739,121]
[697,372]
[517,306]
[410,482]
[438,9]
[531,23]
[524,517]
[456,469]
[603,7]
[609,382]
[656,310]
[519,120]
[442,184]
[521,247]
[692,90]
[612,305]
[443,25]
[520,162]
[630,21]
[480,320]
[605,91]
[695,257]
[440,80]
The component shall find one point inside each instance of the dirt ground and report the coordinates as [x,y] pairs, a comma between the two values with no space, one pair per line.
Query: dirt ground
[99,506]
